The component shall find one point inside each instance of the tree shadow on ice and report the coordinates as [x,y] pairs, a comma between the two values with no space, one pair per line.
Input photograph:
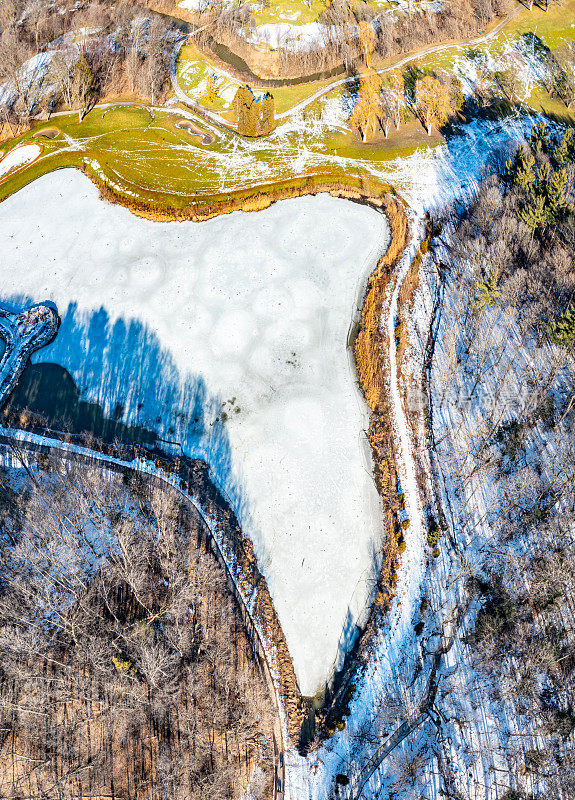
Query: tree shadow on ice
[114,379]
[337,693]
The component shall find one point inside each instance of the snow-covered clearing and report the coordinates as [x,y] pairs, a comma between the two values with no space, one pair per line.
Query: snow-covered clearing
[18,157]
[229,336]
[285,35]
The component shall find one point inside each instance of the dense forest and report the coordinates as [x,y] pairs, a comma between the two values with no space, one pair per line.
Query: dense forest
[125,670]
[503,404]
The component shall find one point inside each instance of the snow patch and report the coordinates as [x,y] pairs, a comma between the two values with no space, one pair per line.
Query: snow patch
[18,157]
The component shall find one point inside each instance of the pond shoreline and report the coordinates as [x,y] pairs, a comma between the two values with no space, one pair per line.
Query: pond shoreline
[369,360]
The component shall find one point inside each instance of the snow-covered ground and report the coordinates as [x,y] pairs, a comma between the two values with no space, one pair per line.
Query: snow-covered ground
[229,336]
[394,680]
[288,36]
[18,157]
[33,80]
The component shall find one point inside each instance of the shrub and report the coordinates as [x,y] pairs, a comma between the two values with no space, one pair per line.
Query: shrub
[121,664]
[340,724]
[43,461]
[435,552]
[405,524]
[562,722]
[348,695]
[535,758]
[434,534]
[401,547]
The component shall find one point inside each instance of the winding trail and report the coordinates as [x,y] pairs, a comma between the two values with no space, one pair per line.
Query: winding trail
[406,469]
[415,56]
[418,54]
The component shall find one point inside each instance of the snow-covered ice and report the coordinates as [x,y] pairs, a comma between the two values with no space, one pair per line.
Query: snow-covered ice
[229,336]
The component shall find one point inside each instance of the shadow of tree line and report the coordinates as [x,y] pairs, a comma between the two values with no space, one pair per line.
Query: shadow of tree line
[114,380]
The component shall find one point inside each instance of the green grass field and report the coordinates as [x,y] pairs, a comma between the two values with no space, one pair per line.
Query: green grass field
[194,67]
[552,26]
[145,157]
[141,154]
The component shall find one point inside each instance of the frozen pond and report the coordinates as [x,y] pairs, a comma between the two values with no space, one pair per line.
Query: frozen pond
[228,336]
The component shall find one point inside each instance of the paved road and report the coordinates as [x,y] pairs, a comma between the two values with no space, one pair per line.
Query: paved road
[81,455]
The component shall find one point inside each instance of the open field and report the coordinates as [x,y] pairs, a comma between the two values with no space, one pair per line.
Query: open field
[143,156]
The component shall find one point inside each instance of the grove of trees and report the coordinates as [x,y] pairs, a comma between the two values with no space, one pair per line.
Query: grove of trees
[124,668]
[123,53]
[254,115]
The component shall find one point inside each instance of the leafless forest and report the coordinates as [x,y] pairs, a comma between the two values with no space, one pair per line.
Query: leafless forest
[394,34]
[124,667]
[503,406]
[124,53]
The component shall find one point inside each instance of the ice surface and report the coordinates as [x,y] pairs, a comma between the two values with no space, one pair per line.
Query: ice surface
[245,319]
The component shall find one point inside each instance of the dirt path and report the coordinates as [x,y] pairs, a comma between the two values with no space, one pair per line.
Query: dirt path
[414,56]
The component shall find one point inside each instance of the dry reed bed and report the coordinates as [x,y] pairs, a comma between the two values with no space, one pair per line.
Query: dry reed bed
[371,350]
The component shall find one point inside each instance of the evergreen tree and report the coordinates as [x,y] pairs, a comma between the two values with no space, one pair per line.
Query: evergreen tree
[243,101]
[255,116]
[534,214]
[557,205]
[267,114]
[564,152]
[540,137]
[212,88]
[520,170]
[488,292]
[562,332]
